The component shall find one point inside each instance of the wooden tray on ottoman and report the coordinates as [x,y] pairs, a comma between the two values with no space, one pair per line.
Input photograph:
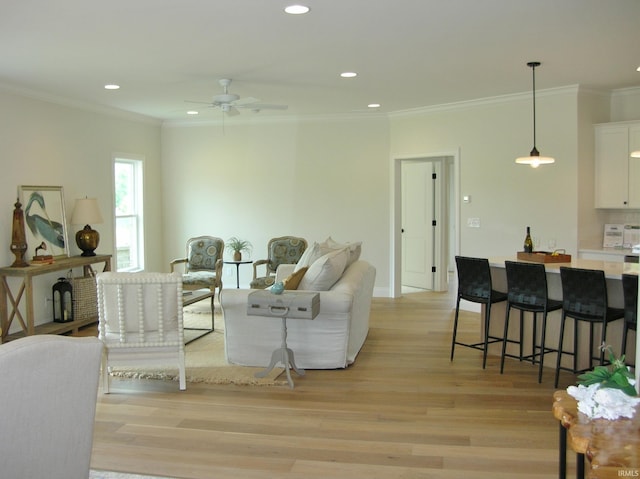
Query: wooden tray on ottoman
[544,257]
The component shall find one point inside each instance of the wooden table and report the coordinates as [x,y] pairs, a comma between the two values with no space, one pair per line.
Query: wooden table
[25,290]
[612,447]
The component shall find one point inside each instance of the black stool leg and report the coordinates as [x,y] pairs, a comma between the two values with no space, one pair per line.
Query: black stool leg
[604,340]
[455,328]
[504,338]
[487,316]
[534,336]
[543,334]
[575,344]
[521,336]
[559,350]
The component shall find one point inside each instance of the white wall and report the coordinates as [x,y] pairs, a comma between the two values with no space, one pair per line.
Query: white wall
[44,143]
[257,180]
[625,104]
[317,177]
[505,196]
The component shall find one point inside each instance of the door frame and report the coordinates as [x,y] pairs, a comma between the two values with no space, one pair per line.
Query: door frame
[396,220]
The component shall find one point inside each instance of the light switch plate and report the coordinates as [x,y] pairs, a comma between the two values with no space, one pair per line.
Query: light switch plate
[473,222]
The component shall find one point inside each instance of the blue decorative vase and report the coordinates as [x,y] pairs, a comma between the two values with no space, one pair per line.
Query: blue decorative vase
[277,288]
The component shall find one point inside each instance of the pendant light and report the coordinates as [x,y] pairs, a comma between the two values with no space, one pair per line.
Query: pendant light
[534,159]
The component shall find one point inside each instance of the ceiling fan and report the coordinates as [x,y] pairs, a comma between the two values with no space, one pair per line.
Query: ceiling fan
[229,103]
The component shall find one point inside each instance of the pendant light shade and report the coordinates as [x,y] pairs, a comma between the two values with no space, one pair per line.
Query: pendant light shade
[534,159]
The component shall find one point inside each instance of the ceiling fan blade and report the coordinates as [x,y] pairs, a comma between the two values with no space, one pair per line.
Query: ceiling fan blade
[232,111]
[199,102]
[245,101]
[263,106]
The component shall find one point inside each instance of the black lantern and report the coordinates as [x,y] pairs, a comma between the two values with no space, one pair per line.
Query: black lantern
[62,301]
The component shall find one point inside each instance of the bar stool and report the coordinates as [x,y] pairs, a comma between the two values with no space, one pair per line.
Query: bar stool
[630,293]
[584,298]
[474,285]
[527,292]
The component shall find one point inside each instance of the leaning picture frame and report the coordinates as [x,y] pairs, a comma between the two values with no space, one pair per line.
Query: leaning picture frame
[45,220]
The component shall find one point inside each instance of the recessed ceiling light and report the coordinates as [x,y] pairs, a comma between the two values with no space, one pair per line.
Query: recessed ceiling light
[192,112]
[297,9]
[348,74]
[111,86]
[373,105]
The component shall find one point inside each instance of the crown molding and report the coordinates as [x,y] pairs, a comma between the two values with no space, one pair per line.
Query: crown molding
[85,106]
[480,102]
[364,116]
[634,90]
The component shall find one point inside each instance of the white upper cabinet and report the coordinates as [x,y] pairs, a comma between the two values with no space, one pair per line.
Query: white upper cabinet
[617,175]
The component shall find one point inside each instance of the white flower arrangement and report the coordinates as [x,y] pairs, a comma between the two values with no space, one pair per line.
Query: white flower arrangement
[607,392]
[596,401]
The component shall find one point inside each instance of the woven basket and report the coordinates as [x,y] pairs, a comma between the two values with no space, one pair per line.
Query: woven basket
[85,298]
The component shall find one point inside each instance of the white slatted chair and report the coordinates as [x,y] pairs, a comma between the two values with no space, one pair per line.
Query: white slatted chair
[48,390]
[140,321]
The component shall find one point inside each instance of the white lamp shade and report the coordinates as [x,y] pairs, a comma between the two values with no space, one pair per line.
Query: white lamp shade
[535,161]
[86,211]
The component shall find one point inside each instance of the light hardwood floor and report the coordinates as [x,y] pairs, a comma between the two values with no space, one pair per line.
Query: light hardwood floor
[403,410]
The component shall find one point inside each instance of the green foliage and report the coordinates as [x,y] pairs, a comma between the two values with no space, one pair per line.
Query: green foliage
[236,244]
[615,375]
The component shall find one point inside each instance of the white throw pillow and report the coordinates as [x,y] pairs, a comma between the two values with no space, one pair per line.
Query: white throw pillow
[310,254]
[325,271]
[354,248]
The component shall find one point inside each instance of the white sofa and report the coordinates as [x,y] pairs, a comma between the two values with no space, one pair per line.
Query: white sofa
[331,340]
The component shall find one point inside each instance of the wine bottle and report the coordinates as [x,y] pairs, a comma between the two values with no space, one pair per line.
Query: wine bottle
[528,244]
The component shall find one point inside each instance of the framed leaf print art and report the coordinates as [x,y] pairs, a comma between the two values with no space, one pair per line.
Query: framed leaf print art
[45,220]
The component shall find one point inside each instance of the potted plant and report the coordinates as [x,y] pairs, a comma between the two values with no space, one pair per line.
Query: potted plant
[238,246]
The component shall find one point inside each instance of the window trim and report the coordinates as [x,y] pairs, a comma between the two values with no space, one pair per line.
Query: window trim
[139,165]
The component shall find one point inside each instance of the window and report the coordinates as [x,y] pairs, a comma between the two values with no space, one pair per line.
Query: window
[127,174]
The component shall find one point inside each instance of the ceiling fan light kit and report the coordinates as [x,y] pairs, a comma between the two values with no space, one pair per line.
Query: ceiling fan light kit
[534,159]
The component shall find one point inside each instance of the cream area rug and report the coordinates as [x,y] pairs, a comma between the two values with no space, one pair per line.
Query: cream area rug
[204,357]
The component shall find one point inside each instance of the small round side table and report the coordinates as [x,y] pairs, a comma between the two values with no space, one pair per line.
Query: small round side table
[238,263]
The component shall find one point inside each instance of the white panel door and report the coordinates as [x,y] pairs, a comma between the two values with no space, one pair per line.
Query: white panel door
[417,228]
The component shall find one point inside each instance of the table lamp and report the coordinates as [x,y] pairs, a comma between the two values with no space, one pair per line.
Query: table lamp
[86,211]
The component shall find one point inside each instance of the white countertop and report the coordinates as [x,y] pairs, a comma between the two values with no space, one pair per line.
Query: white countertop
[609,251]
[612,270]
